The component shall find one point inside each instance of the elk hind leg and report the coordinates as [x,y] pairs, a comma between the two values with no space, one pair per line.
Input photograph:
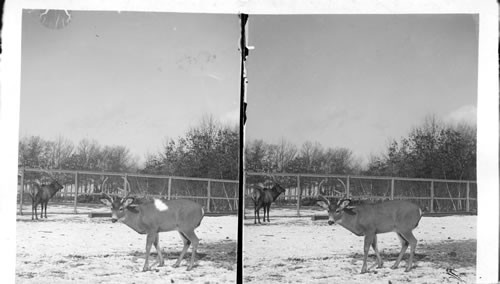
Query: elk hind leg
[193,239]
[158,250]
[404,246]
[187,243]
[413,244]
[375,248]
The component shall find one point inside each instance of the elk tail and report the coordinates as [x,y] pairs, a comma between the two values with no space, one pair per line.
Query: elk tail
[202,215]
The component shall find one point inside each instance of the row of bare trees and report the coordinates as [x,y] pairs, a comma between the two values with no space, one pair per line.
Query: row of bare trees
[433,149]
[209,150]
[37,152]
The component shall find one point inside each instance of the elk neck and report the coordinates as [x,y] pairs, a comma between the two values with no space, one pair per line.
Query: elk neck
[274,192]
[351,223]
[132,219]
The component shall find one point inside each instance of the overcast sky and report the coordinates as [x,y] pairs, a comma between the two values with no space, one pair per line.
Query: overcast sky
[358,80]
[127,78]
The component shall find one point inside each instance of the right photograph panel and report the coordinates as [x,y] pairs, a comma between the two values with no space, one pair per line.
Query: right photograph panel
[360,155]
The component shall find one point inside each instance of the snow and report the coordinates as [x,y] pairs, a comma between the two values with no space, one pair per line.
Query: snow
[299,250]
[67,248]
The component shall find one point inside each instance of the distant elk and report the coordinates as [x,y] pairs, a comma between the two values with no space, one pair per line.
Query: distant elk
[263,198]
[41,195]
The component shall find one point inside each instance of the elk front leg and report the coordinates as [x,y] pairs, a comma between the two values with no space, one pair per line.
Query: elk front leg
[45,205]
[375,248]
[366,249]
[149,242]
[158,250]
[33,210]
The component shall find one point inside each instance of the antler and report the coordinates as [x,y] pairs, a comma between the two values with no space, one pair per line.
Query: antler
[49,173]
[324,199]
[108,196]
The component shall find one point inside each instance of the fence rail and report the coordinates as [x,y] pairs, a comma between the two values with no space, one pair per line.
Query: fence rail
[432,195]
[84,188]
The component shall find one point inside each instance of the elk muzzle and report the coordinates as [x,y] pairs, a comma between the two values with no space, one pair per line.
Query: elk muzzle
[330,222]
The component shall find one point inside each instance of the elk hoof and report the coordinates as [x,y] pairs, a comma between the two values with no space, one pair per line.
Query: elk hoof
[407,269]
[161,264]
[145,269]
[175,265]
[394,266]
[380,265]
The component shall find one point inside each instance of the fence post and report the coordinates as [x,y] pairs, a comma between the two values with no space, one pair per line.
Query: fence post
[299,194]
[125,180]
[432,196]
[392,189]
[169,188]
[22,191]
[208,196]
[76,191]
[467,201]
[347,190]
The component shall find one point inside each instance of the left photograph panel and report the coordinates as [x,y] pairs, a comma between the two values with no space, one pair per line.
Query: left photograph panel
[128,147]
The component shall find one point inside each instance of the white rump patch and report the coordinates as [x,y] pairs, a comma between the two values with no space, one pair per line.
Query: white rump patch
[160,205]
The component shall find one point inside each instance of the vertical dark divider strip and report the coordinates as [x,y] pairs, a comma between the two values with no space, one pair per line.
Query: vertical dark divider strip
[244,53]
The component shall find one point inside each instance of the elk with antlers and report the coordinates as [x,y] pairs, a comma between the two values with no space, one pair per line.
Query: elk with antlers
[42,194]
[368,220]
[263,198]
[153,217]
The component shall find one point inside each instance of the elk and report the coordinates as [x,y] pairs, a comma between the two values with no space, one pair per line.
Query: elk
[158,215]
[368,220]
[263,198]
[42,194]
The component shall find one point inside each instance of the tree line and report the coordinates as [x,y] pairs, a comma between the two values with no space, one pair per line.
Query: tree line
[208,150]
[433,149]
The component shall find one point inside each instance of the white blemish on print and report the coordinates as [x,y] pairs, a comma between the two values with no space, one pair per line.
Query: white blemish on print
[160,205]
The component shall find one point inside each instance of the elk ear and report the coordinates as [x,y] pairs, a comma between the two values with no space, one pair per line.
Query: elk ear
[106,202]
[128,201]
[350,210]
[323,204]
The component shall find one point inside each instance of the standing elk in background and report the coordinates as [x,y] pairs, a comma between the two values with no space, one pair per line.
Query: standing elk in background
[263,198]
[153,217]
[41,195]
[368,220]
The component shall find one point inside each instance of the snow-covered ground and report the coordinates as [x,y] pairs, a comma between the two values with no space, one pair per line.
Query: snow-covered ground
[299,250]
[68,248]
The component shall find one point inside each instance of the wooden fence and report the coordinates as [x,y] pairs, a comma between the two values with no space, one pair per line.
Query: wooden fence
[85,188]
[432,195]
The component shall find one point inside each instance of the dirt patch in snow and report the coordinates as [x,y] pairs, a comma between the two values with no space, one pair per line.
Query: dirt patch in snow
[68,248]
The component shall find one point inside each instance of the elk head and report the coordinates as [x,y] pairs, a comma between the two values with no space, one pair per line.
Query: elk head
[337,210]
[54,183]
[118,206]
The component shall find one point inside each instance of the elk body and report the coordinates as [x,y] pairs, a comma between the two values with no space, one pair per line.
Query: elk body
[42,195]
[263,198]
[153,217]
[368,220]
